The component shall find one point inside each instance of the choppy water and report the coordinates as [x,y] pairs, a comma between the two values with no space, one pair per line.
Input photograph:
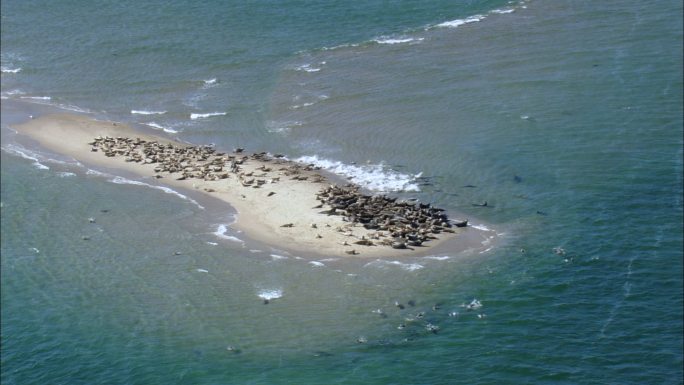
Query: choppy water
[567,117]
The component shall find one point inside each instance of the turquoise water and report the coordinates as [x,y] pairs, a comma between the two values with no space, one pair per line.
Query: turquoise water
[567,117]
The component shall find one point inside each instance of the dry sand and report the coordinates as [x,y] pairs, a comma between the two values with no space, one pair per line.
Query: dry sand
[262,211]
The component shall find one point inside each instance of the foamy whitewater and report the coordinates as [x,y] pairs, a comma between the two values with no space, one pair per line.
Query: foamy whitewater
[145,112]
[270,294]
[167,190]
[158,126]
[206,115]
[26,154]
[221,232]
[374,177]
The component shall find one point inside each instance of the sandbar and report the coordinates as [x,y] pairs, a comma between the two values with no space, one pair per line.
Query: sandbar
[276,200]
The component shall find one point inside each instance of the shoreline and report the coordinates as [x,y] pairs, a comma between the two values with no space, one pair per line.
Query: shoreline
[275,200]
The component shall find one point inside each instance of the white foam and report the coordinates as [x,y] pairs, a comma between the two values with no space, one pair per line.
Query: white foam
[298,106]
[74,108]
[382,40]
[307,68]
[146,112]
[202,271]
[26,154]
[269,294]
[35,250]
[36,97]
[460,22]
[405,266]
[207,115]
[221,231]
[481,227]
[14,92]
[211,82]
[503,11]
[442,258]
[96,173]
[7,70]
[212,243]
[160,127]
[308,104]
[374,177]
[277,257]
[65,174]
[316,263]
[120,180]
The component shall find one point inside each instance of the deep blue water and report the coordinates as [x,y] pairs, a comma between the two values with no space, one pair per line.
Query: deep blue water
[567,117]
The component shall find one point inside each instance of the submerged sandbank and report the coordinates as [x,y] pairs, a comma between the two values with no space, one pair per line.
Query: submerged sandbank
[279,202]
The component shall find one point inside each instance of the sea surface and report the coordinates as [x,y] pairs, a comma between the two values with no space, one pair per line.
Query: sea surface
[564,116]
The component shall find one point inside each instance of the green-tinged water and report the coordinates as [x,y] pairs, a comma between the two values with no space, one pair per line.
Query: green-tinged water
[565,117]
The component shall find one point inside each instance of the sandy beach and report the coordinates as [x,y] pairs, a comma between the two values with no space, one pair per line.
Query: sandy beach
[275,199]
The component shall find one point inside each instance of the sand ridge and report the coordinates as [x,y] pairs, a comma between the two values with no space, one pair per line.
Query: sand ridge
[278,202]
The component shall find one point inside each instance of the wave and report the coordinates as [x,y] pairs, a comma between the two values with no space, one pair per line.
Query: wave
[298,106]
[277,257]
[460,22]
[480,17]
[160,127]
[97,173]
[374,177]
[146,112]
[405,266]
[44,100]
[210,83]
[121,180]
[206,115]
[316,263]
[406,38]
[481,227]
[221,231]
[36,97]
[70,107]
[391,41]
[8,94]
[436,258]
[7,70]
[308,68]
[319,98]
[269,294]
[26,154]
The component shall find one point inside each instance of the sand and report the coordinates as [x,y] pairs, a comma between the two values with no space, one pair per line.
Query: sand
[261,212]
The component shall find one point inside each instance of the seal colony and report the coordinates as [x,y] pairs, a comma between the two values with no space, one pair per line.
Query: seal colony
[399,224]
[288,205]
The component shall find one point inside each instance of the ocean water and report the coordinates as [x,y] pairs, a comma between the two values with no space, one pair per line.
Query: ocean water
[566,117]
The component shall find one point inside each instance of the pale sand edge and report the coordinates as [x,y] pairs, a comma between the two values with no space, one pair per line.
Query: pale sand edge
[260,216]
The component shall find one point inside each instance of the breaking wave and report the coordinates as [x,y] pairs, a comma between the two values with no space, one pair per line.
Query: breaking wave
[120,180]
[374,177]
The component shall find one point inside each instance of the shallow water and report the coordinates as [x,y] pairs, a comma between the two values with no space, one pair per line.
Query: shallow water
[566,117]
